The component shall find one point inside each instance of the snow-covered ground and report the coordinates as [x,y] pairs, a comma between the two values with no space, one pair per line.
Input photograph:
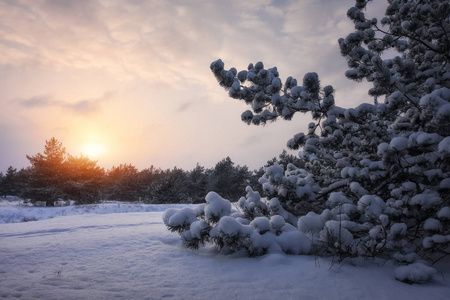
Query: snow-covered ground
[123,251]
[13,210]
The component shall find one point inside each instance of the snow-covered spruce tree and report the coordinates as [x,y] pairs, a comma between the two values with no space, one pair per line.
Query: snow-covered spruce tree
[376,177]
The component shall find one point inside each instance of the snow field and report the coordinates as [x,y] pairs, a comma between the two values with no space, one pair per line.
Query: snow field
[132,256]
[14,211]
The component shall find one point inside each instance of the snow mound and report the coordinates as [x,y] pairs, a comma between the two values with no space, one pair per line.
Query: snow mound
[216,207]
[294,242]
[179,219]
[414,273]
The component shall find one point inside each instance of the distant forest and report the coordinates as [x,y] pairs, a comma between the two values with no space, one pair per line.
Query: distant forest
[56,176]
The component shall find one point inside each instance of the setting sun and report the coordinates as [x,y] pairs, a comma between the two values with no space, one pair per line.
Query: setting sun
[93,150]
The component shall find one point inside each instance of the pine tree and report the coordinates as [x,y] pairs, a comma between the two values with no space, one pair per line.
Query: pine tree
[47,173]
[83,179]
[55,174]
[8,182]
[376,178]
[229,180]
[122,183]
[197,184]
[170,186]
[3,192]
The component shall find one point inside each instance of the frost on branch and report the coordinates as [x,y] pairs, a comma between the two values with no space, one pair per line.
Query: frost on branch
[375,179]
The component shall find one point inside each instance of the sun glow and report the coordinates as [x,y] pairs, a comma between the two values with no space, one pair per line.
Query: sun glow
[93,150]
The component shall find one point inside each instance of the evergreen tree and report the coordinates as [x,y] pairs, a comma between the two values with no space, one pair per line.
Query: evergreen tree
[122,183]
[83,179]
[284,159]
[55,174]
[2,186]
[170,187]
[376,178]
[146,178]
[8,182]
[47,173]
[229,180]
[197,184]
[221,178]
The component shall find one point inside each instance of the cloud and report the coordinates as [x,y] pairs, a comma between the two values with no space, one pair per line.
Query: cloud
[156,55]
[151,39]
[172,43]
[37,101]
[169,42]
[184,106]
[253,140]
[81,107]
[88,106]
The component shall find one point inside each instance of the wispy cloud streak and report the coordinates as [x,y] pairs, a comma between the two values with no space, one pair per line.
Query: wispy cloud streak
[82,107]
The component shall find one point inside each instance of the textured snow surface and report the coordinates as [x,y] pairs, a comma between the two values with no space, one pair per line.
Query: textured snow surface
[13,212]
[414,273]
[105,254]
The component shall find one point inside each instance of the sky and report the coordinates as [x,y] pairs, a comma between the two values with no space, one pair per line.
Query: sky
[129,81]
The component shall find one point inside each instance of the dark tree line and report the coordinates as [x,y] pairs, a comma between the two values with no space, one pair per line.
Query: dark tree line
[56,175]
